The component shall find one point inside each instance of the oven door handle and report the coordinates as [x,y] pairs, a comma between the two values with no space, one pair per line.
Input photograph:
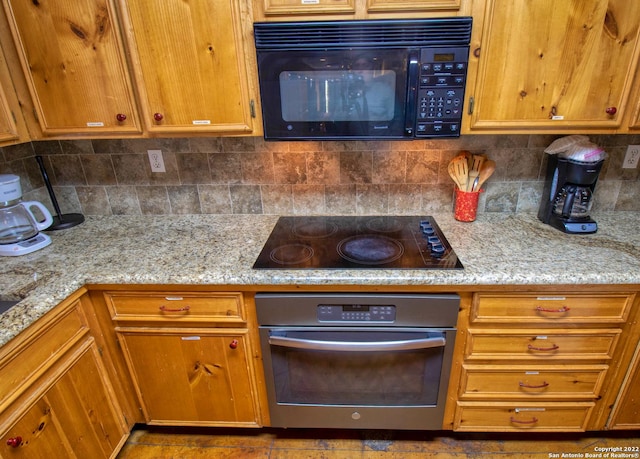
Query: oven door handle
[348,346]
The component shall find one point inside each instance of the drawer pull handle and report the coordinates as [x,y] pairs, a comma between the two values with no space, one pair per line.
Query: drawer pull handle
[14,442]
[529,386]
[163,308]
[233,344]
[518,421]
[560,310]
[555,347]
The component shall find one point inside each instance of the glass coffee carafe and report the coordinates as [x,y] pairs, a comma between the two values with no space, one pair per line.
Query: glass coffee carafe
[573,201]
[20,221]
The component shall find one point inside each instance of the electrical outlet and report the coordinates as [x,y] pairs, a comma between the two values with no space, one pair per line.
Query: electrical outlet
[156,160]
[632,157]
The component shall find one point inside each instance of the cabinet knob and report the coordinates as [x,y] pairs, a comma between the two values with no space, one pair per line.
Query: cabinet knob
[14,442]
[611,111]
[121,117]
[158,116]
[233,344]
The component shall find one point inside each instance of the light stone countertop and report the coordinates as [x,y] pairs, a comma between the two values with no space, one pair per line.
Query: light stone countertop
[496,249]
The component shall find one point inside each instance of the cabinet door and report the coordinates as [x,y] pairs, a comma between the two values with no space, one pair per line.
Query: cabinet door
[12,126]
[190,61]
[74,64]
[554,66]
[192,377]
[75,417]
[626,411]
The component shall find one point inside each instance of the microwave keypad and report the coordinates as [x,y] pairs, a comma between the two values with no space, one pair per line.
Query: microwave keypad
[441,92]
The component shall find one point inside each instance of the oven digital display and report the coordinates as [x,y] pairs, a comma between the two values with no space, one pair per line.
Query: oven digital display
[356,313]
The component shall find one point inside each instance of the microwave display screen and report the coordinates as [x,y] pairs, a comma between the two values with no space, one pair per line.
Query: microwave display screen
[338,95]
[449,57]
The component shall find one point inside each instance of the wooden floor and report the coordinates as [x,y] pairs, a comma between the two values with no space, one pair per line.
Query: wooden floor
[165,443]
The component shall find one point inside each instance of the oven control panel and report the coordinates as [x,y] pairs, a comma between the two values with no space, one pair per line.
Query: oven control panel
[356,313]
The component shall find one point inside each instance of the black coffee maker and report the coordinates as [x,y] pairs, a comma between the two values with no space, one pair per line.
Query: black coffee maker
[568,194]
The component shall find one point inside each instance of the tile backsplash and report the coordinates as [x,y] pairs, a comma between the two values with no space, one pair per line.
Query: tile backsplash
[246,175]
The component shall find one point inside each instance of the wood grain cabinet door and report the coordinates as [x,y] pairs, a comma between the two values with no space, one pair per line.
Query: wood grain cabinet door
[192,377]
[76,416]
[191,66]
[73,60]
[553,66]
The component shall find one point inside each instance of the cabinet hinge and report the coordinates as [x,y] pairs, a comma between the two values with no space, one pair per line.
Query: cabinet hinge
[471,102]
[252,108]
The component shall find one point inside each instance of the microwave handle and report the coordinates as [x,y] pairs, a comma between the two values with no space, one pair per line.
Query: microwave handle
[345,346]
[412,92]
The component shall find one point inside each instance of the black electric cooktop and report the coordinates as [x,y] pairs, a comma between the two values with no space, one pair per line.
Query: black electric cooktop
[374,242]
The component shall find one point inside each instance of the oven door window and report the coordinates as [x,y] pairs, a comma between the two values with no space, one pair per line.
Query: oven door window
[373,368]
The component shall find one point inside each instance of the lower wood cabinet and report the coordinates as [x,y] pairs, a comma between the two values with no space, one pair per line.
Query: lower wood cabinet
[190,355]
[626,411]
[505,416]
[67,407]
[539,361]
[192,377]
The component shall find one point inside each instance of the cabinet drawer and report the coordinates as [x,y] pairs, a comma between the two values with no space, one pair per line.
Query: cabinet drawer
[531,382]
[505,417]
[28,361]
[176,306]
[545,308]
[541,344]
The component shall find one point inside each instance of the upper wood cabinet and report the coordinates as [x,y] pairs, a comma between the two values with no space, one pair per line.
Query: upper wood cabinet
[551,66]
[73,60]
[191,64]
[10,130]
[357,9]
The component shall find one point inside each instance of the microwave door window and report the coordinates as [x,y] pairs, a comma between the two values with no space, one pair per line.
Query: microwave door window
[338,95]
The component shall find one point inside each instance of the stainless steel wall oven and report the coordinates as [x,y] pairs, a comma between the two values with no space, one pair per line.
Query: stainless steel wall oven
[357,360]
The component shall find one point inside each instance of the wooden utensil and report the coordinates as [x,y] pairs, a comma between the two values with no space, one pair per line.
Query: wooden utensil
[462,171]
[488,167]
[476,162]
[452,172]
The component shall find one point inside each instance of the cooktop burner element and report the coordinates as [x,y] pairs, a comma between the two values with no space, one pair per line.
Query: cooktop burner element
[373,242]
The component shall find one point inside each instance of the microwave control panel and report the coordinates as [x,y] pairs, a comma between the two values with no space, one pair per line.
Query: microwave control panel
[443,74]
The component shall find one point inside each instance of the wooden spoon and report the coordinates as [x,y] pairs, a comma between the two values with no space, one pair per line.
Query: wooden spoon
[488,167]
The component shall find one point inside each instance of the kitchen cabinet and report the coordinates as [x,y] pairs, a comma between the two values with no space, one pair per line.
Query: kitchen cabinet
[12,125]
[537,361]
[551,66]
[189,355]
[358,9]
[72,57]
[626,411]
[57,400]
[192,63]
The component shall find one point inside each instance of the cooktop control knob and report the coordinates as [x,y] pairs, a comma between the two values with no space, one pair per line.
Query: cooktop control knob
[426,228]
[437,250]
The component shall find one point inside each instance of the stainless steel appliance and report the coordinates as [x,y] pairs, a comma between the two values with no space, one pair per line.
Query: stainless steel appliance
[19,226]
[364,242]
[567,196]
[355,360]
[373,79]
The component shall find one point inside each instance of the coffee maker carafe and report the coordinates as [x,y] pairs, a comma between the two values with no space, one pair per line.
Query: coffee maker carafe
[19,226]
[567,196]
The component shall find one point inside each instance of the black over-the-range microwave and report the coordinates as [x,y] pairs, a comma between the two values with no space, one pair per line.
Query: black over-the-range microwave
[362,79]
